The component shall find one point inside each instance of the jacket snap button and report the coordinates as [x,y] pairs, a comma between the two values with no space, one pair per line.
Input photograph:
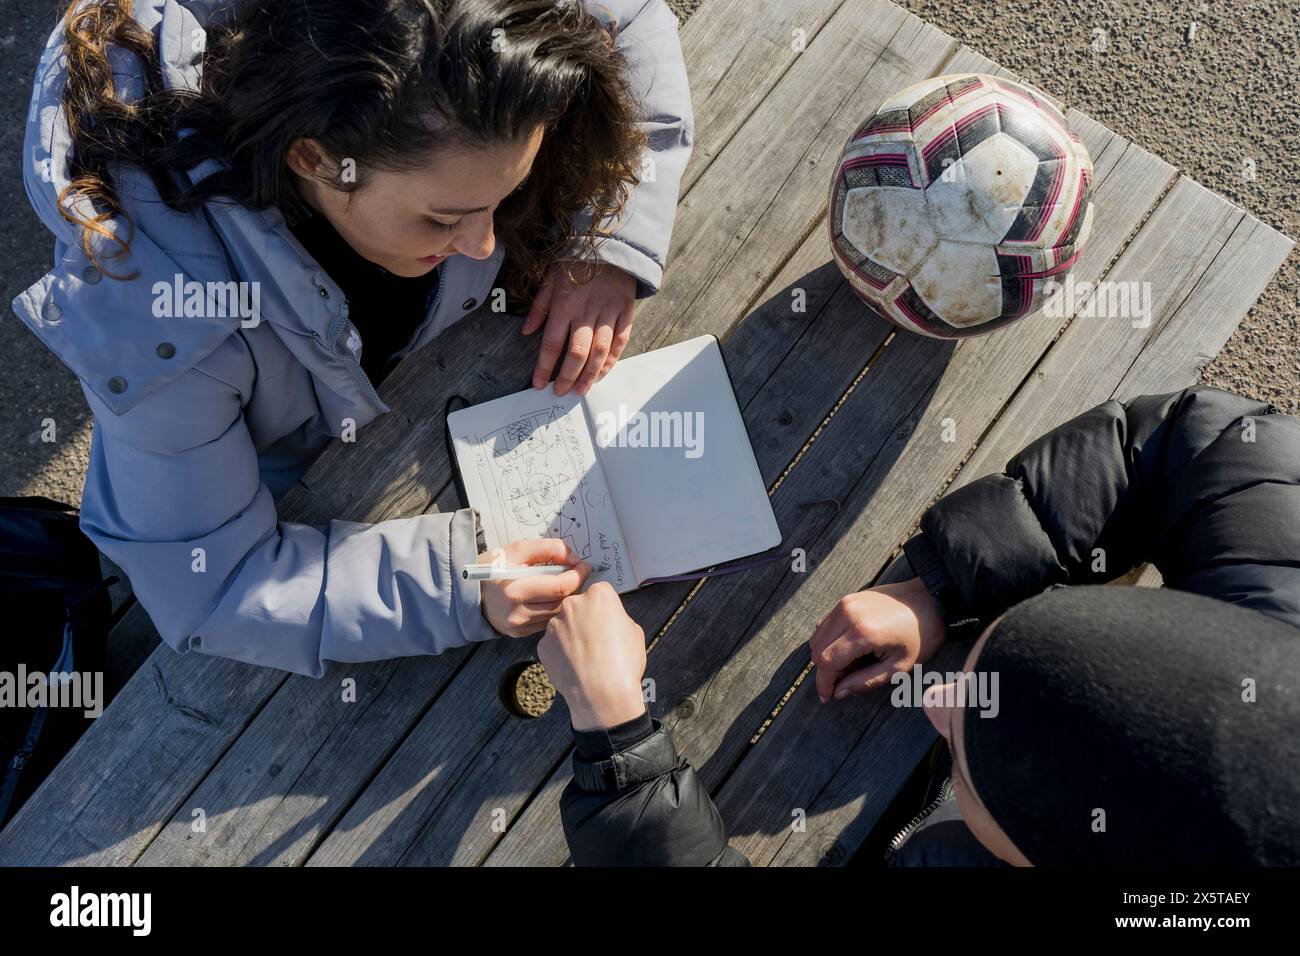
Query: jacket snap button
[90,275]
[469,303]
[51,312]
[165,350]
[117,385]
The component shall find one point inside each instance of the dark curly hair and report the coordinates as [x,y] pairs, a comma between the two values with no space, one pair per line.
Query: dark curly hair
[386,83]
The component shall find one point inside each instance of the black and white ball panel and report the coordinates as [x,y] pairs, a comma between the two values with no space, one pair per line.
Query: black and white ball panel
[956,202]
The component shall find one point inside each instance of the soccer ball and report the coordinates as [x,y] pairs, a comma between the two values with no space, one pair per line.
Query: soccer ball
[956,202]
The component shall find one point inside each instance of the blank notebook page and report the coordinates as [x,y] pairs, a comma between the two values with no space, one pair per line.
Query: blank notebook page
[700,501]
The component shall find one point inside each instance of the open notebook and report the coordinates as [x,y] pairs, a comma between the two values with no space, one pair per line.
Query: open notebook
[649,474]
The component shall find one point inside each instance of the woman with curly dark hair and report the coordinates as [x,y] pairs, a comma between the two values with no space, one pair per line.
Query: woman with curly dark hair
[261,207]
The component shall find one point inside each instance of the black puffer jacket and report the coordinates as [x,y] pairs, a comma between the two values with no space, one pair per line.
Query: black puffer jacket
[643,805]
[1202,483]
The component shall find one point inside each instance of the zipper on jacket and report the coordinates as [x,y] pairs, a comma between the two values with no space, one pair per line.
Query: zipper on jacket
[901,837]
[336,330]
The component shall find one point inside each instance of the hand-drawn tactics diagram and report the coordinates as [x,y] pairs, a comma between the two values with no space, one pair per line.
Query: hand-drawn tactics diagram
[539,476]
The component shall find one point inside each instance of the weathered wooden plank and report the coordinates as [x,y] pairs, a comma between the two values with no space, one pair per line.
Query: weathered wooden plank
[966,60]
[865,775]
[716,693]
[736,51]
[130,771]
[460,821]
[293,772]
[465,732]
[1183,346]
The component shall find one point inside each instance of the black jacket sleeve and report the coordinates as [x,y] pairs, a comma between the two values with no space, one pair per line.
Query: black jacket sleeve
[643,805]
[1202,483]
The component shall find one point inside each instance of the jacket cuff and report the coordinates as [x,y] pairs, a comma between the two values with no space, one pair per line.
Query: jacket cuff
[639,265]
[650,757]
[927,564]
[602,744]
[464,545]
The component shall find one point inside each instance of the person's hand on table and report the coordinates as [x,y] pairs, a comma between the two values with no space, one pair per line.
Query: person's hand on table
[523,606]
[595,318]
[899,624]
[594,655]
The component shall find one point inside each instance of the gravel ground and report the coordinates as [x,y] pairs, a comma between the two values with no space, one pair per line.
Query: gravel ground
[1206,104]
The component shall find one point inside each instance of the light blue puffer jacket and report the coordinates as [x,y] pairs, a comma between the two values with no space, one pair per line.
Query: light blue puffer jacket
[202,422]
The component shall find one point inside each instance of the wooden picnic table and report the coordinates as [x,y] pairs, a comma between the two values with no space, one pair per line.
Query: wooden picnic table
[857,428]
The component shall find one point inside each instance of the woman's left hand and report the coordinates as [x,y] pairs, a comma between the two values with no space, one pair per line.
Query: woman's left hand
[595,317]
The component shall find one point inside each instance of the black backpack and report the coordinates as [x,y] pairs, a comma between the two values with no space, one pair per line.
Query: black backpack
[57,613]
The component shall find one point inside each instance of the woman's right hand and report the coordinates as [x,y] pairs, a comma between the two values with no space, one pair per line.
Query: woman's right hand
[524,606]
